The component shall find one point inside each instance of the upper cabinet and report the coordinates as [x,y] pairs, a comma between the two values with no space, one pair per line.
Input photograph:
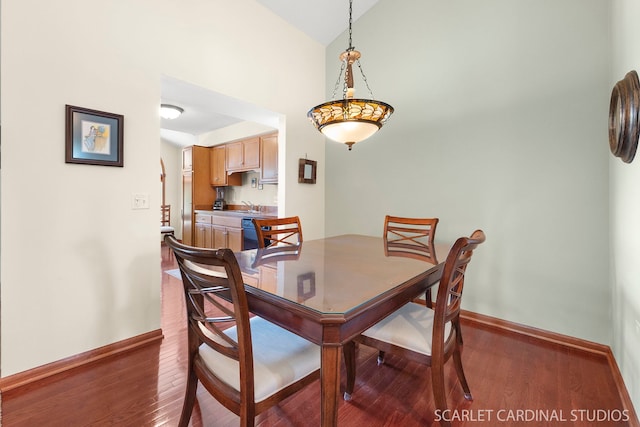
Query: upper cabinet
[219,175]
[269,159]
[243,155]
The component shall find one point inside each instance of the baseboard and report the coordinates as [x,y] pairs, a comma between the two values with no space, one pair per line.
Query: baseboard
[567,341]
[30,376]
[552,337]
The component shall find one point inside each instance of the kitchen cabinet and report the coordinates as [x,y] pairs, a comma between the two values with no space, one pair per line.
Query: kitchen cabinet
[227,237]
[243,155]
[217,231]
[219,175]
[269,159]
[197,192]
[203,231]
[227,232]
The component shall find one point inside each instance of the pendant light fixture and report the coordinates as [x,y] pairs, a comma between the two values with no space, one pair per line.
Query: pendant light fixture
[350,120]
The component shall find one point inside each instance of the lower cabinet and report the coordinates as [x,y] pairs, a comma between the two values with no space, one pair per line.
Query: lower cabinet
[227,237]
[203,231]
[215,231]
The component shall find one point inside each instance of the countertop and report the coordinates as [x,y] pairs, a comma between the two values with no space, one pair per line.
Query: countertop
[235,213]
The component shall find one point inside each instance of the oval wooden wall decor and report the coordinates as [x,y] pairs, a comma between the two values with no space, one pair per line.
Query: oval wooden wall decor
[624,126]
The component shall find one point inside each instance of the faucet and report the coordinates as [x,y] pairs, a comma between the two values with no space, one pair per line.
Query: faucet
[252,208]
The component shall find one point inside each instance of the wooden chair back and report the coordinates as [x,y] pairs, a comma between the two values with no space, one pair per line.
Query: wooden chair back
[447,306]
[278,231]
[165,220]
[165,215]
[410,235]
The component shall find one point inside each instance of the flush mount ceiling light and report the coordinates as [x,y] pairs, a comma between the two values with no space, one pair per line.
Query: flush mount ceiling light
[168,111]
[350,120]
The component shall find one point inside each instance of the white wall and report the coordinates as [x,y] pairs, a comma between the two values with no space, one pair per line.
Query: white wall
[79,266]
[625,211]
[500,124]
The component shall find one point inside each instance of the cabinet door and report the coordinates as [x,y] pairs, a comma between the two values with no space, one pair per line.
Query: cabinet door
[234,156]
[199,235]
[243,155]
[208,237]
[269,162]
[218,168]
[251,153]
[234,239]
[219,236]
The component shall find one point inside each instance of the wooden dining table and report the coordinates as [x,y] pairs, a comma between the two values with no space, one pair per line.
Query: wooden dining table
[330,290]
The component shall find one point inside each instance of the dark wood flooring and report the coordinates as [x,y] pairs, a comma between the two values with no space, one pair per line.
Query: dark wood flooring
[515,380]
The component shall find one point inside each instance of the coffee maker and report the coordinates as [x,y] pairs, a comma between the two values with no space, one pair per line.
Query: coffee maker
[219,204]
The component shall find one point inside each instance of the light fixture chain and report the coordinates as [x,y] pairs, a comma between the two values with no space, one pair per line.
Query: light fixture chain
[350,21]
[364,78]
[345,86]
[335,88]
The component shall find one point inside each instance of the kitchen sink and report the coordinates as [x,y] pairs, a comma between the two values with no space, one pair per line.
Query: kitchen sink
[245,211]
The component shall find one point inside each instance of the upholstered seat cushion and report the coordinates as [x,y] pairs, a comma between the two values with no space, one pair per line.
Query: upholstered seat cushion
[166,229]
[279,358]
[411,327]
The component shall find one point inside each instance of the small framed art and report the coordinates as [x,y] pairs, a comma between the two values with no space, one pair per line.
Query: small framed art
[307,171]
[94,137]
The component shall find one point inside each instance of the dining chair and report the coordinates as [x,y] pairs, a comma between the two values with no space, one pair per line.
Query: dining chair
[411,235]
[278,231]
[165,220]
[245,362]
[422,334]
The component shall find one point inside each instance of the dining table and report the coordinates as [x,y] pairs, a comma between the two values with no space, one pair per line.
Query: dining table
[330,290]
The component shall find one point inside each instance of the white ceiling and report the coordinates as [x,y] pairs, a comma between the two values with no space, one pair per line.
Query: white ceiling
[322,21]
[206,111]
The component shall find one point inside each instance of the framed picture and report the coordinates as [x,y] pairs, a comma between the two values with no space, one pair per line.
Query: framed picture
[307,171]
[93,137]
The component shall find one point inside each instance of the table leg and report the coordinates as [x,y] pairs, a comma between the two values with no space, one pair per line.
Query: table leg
[330,384]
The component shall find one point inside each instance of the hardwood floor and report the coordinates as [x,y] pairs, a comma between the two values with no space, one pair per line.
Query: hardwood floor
[515,380]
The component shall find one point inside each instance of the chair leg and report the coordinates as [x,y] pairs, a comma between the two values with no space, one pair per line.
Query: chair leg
[439,394]
[380,357]
[189,398]
[457,360]
[456,324]
[349,351]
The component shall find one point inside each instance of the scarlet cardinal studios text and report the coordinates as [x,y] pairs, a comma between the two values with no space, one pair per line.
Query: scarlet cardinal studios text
[532,415]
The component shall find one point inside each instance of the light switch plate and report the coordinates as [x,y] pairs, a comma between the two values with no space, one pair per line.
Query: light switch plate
[140,201]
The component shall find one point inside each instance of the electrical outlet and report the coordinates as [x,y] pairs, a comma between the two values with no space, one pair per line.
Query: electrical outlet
[140,201]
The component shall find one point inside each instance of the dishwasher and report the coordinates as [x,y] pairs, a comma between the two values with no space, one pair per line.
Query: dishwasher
[250,237]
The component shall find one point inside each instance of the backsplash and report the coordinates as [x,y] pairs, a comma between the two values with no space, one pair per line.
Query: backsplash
[268,196]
